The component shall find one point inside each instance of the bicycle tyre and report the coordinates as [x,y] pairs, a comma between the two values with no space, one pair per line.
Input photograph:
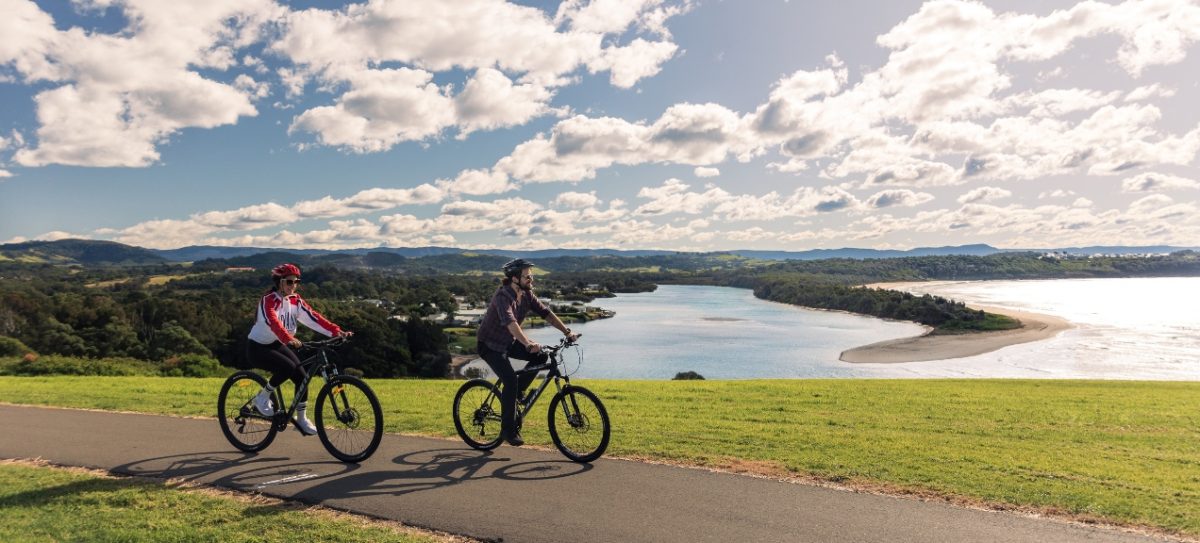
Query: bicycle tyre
[574,413]
[350,433]
[240,422]
[477,409]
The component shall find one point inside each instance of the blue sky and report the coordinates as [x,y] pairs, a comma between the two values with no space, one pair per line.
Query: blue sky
[631,124]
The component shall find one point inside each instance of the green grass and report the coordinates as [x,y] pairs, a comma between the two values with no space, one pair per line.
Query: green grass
[46,504]
[1127,452]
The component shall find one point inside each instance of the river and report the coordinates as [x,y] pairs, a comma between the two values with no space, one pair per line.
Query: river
[1124,329]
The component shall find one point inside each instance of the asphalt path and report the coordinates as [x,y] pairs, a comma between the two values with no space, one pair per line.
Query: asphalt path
[513,494]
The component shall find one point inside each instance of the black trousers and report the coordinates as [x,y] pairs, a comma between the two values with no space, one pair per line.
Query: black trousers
[499,362]
[280,360]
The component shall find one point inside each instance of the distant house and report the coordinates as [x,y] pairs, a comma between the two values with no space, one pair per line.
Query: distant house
[471,316]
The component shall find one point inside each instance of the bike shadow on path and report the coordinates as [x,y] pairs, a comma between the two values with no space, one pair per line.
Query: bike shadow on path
[439,468]
[414,472]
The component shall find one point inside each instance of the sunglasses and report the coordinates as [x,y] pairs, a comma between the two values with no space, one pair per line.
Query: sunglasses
[292,281]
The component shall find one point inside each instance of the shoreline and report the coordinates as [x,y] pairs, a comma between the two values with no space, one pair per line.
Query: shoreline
[458,362]
[926,347]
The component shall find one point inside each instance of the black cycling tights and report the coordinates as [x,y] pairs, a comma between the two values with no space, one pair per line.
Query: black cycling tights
[499,362]
[280,360]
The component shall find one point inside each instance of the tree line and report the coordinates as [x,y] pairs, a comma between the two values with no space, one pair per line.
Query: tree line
[166,313]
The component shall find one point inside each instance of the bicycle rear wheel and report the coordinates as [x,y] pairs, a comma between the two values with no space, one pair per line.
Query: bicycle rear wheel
[242,424]
[578,424]
[349,419]
[477,414]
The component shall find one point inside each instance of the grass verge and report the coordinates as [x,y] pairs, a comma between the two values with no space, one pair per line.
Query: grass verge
[40,503]
[1111,451]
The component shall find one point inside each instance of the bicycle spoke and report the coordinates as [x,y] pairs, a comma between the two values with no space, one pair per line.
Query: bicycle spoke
[579,424]
[242,424]
[477,414]
[350,420]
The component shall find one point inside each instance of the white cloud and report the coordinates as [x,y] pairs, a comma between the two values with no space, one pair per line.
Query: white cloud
[381,109]
[1156,90]
[702,171]
[750,234]
[59,235]
[1056,193]
[490,100]
[5,173]
[631,63]
[115,97]
[576,200]
[984,194]
[697,134]
[495,40]
[673,197]
[246,218]
[477,182]
[1149,181]
[898,197]
[250,87]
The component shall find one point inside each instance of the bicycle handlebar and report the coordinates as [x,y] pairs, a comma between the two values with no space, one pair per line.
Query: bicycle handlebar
[334,341]
[562,344]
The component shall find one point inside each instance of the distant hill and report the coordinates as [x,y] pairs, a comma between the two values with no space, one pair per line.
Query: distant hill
[79,251]
[818,254]
[1117,250]
[449,259]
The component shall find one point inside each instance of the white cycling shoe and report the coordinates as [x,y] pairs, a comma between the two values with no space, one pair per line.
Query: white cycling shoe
[303,424]
[263,403]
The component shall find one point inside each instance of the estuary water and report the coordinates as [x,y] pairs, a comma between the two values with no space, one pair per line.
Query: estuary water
[1124,329]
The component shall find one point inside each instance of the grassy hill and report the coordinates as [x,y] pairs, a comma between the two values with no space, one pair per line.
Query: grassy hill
[79,251]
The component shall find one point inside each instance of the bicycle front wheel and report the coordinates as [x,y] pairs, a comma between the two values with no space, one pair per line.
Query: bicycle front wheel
[578,424]
[477,414]
[242,424]
[349,419]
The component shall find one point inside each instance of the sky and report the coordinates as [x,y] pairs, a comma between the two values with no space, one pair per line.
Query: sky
[693,125]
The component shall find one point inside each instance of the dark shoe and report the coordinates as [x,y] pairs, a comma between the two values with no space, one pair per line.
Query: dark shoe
[514,440]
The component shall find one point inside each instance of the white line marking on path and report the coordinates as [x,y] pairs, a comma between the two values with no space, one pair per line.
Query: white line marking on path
[284,480]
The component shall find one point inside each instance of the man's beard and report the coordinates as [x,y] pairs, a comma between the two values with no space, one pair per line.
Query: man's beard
[525,288]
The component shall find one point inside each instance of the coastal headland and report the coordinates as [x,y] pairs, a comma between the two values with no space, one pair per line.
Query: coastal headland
[930,346]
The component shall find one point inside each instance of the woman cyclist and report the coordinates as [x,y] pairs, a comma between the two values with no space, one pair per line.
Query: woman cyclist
[273,338]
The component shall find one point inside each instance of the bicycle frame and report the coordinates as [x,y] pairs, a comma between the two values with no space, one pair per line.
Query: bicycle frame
[553,374]
[320,363]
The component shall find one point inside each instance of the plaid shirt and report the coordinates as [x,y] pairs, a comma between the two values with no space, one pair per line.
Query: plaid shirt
[504,309]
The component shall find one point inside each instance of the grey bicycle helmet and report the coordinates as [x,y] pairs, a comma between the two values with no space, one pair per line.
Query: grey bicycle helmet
[513,268]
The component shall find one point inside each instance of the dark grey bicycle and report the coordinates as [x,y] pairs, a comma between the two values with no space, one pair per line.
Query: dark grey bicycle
[349,419]
[578,421]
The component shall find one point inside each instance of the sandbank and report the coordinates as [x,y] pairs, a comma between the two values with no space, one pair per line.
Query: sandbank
[923,348]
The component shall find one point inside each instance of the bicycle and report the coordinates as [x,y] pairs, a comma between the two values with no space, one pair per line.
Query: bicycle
[345,407]
[578,422]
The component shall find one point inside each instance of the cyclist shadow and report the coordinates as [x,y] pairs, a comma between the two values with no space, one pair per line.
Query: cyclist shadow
[246,471]
[190,466]
[440,468]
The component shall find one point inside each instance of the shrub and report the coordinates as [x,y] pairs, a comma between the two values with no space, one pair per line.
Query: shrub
[193,365]
[353,372]
[11,346]
[68,365]
[687,376]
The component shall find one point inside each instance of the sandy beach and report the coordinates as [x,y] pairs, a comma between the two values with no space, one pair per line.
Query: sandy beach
[1034,327]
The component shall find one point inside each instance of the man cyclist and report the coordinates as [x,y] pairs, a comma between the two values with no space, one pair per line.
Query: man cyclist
[500,338]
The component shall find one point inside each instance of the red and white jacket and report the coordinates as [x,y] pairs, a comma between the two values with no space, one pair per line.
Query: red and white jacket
[277,318]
